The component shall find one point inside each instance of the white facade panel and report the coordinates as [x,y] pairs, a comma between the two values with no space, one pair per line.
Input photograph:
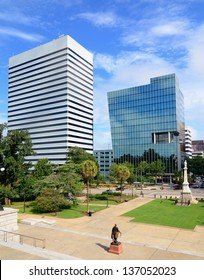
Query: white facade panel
[57,73]
[81,120]
[32,104]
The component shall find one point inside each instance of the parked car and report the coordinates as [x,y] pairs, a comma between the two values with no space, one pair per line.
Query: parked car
[175,187]
[120,188]
[195,185]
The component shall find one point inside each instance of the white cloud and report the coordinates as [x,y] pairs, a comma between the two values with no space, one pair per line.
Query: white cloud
[169,28]
[103,19]
[13,32]
[195,51]
[17,17]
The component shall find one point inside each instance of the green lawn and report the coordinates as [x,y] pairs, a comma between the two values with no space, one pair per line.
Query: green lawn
[74,212]
[168,214]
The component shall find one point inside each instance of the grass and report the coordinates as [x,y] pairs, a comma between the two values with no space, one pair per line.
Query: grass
[168,214]
[75,212]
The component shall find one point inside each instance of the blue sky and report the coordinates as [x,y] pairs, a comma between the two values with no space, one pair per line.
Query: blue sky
[131,41]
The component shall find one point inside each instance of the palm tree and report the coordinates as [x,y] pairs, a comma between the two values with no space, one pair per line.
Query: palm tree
[122,174]
[89,170]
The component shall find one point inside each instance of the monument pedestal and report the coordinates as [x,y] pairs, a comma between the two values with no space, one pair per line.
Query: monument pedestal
[116,248]
[187,198]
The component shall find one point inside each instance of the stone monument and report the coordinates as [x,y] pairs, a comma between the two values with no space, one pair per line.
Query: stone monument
[186,197]
[115,246]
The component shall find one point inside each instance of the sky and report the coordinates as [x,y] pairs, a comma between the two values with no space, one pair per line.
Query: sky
[131,41]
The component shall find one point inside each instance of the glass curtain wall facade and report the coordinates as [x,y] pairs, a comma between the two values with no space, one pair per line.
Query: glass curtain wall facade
[51,96]
[147,123]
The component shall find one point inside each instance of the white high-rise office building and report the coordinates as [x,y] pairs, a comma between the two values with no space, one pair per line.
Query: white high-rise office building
[188,143]
[51,95]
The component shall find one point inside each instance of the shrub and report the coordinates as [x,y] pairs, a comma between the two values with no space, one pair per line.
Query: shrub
[98,196]
[50,200]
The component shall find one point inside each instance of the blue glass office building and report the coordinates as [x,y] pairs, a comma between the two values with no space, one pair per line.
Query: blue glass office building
[147,123]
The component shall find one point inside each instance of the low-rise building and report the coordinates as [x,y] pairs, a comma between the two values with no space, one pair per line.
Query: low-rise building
[105,160]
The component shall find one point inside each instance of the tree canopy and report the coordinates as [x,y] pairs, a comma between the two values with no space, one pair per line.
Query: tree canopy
[196,166]
[78,155]
[15,147]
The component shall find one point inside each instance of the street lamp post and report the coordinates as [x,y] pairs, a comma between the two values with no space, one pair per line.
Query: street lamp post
[24,200]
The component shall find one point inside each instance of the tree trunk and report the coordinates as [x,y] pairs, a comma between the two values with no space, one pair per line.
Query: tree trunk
[7,201]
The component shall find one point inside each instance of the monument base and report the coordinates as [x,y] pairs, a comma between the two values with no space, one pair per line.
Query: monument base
[186,199]
[115,248]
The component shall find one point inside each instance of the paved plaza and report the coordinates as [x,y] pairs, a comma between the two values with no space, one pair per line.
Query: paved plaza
[89,238]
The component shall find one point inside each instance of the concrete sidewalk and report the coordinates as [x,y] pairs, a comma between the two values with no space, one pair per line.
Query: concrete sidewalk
[89,238]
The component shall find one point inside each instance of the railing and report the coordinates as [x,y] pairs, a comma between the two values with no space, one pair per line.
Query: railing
[9,235]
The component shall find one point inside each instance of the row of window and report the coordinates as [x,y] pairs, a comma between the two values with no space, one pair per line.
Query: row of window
[48,139]
[132,108]
[47,126]
[39,76]
[49,87]
[62,147]
[128,114]
[140,92]
[134,99]
[16,88]
[37,61]
[49,57]
[23,113]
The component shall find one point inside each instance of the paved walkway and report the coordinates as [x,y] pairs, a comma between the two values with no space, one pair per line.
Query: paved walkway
[89,238]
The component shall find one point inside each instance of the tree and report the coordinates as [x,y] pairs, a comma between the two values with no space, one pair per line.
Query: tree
[142,169]
[196,166]
[16,146]
[2,143]
[113,172]
[70,180]
[89,170]
[157,168]
[122,174]
[50,200]
[42,168]
[99,179]
[65,178]
[131,179]
[78,155]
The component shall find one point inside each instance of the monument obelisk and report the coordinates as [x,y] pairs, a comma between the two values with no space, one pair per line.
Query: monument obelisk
[186,194]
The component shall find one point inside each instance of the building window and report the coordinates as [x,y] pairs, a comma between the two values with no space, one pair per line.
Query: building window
[162,137]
